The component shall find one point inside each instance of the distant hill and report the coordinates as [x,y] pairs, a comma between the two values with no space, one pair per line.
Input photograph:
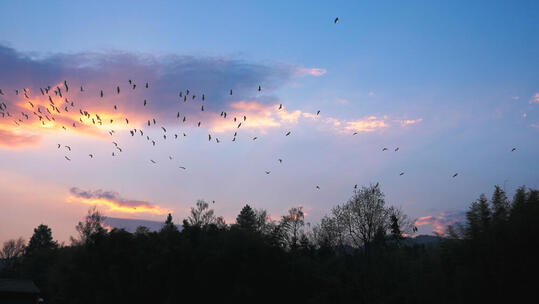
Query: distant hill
[423,239]
[131,225]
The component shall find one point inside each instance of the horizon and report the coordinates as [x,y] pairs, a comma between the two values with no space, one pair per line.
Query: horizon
[447,88]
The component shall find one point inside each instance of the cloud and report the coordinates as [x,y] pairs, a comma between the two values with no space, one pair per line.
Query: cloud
[167,76]
[12,139]
[301,71]
[113,201]
[441,221]
[367,124]
[408,122]
[535,99]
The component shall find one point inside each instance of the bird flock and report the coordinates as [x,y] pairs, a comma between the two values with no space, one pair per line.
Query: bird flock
[59,103]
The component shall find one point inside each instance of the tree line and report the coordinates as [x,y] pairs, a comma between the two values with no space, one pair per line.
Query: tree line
[360,251]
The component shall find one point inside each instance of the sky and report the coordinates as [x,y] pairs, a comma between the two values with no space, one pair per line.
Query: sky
[453,84]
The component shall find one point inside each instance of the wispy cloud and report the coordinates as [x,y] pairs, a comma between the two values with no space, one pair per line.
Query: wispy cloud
[113,201]
[301,71]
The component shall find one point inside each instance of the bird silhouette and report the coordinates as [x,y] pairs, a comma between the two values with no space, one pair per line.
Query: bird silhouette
[396,149]
[455,175]
[384,149]
[230,91]
[514,149]
[67,158]
[318,187]
[267,172]
[182,168]
[288,133]
[317,112]
[336,20]
[91,155]
[402,173]
[280,160]
[153,161]
[259,88]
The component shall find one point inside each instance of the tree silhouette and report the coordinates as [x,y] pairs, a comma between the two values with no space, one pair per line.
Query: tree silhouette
[202,216]
[41,240]
[91,226]
[247,219]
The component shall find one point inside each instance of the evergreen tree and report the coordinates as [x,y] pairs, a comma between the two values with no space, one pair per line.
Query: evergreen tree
[169,225]
[247,219]
[500,205]
[41,240]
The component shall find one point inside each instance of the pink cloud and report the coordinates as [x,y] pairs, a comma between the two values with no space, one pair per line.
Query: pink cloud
[13,139]
[441,221]
[310,71]
[535,98]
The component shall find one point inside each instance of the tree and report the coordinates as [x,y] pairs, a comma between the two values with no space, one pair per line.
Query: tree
[203,216]
[169,225]
[247,219]
[41,240]
[290,228]
[91,226]
[367,215]
[361,220]
[500,205]
[12,249]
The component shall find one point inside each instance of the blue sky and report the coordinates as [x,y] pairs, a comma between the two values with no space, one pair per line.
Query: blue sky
[464,74]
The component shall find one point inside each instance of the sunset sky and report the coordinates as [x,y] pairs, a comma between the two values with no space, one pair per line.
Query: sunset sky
[453,84]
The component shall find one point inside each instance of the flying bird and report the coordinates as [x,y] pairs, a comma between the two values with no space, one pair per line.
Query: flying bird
[268,172]
[68,147]
[317,112]
[230,91]
[336,20]
[402,173]
[182,168]
[280,160]
[153,161]
[91,155]
[288,133]
[144,102]
[67,158]
[254,138]
[396,149]
[318,187]
[384,149]
[259,88]
[280,106]
[514,149]
[118,89]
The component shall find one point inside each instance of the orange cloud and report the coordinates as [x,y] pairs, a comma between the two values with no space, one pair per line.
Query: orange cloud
[368,124]
[441,221]
[113,201]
